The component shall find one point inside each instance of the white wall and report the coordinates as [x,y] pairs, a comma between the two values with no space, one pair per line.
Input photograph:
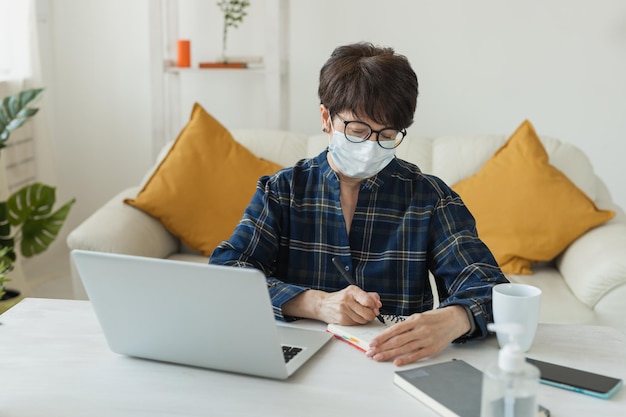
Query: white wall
[98,91]
[483,67]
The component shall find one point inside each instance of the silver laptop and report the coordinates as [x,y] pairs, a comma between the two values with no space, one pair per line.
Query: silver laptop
[195,314]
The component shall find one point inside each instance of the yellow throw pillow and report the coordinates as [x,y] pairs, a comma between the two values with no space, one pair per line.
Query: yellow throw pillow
[201,189]
[526,210]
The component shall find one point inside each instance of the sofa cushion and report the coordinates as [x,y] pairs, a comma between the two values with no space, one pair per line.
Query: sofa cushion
[591,281]
[281,146]
[558,304]
[457,157]
[201,188]
[526,210]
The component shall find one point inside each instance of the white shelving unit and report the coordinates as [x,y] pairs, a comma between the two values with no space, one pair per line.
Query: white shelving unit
[170,82]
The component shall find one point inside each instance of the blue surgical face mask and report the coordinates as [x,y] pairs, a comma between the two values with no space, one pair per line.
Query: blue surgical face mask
[358,160]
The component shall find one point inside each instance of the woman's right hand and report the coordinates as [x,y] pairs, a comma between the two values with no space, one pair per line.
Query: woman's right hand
[349,306]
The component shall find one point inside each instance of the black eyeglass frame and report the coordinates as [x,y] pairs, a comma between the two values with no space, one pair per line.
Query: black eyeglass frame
[378,132]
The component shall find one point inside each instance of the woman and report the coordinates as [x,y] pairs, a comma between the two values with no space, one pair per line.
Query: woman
[380,216]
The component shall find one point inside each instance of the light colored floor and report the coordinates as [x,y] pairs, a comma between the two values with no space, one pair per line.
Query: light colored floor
[59,287]
[51,278]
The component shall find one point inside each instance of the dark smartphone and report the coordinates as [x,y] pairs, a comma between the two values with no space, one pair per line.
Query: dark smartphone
[572,379]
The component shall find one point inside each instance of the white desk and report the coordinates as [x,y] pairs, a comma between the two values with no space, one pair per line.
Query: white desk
[54,361]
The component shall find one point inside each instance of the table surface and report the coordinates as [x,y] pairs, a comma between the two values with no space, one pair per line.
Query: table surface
[54,361]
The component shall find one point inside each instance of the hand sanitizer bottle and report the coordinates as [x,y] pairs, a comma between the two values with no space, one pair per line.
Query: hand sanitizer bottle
[510,385]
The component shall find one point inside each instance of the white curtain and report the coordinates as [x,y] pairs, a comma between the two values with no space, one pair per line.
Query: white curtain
[28,156]
[15,63]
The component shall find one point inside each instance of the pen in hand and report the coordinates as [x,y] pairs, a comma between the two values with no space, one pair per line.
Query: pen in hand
[347,277]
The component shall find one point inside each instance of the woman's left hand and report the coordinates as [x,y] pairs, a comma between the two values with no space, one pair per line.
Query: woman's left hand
[420,335]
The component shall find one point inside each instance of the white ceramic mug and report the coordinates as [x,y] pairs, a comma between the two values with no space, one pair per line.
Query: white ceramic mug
[520,304]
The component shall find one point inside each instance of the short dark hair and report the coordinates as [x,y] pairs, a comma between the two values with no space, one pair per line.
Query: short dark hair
[370,81]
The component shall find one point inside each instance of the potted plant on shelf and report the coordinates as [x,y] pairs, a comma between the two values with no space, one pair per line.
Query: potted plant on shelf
[26,217]
[234,12]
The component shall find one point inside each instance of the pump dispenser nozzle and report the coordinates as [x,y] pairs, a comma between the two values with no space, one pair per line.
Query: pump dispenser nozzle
[511,357]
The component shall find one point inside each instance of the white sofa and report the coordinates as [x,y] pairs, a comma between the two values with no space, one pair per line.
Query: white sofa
[584,284]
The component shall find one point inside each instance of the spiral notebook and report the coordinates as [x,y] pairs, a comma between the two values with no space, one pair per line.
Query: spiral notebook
[361,335]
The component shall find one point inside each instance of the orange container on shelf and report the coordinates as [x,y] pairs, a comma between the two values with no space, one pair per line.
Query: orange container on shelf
[184,53]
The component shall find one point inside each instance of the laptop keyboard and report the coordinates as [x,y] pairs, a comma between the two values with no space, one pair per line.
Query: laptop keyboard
[289,352]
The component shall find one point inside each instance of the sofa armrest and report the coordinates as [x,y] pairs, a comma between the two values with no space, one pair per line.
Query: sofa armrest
[120,228]
[594,265]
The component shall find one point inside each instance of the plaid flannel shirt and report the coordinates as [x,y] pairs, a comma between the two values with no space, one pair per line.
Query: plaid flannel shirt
[405,224]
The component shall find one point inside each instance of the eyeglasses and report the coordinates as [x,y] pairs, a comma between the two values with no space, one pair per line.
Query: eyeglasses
[357,132]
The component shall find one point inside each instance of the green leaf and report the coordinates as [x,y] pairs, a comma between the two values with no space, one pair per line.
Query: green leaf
[7,242]
[6,262]
[14,106]
[30,202]
[27,112]
[6,265]
[14,124]
[4,120]
[30,96]
[31,207]
[15,111]
[38,234]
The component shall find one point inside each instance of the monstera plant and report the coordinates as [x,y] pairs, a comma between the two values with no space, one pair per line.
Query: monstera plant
[27,217]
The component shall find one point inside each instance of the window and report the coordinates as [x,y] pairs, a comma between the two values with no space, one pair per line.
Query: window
[15,63]
[16,47]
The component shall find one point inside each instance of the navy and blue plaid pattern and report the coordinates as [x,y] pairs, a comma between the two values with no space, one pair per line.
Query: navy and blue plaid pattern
[405,224]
